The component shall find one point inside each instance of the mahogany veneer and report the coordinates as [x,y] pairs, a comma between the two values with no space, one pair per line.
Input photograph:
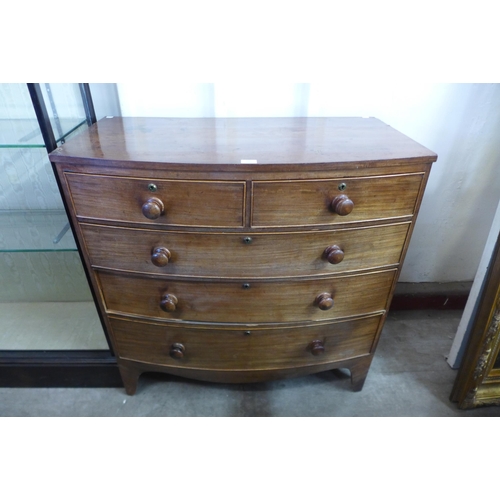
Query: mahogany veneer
[242,250]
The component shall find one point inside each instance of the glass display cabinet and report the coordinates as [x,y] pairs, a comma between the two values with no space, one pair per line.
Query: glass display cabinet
[50,330]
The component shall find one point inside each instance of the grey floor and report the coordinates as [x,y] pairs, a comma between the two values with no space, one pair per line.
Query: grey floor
[409,377]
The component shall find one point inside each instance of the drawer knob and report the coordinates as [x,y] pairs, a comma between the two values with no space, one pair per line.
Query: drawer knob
[160,256]
[153,208]
[334,254]
[177,351]
[324,301]
[168,302]
[317,347]
[342,204]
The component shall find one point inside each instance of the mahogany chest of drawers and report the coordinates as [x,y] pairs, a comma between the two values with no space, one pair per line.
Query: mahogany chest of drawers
[243,249]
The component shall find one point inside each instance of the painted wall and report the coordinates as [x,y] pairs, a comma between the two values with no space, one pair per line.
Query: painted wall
[460,122]
[105,99]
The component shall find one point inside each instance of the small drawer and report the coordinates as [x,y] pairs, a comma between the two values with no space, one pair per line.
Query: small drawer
[335,201]
[246,301]
[251,255]
[158,202]
[243,349]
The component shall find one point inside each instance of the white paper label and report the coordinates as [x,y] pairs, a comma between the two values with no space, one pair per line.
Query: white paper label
[248,161]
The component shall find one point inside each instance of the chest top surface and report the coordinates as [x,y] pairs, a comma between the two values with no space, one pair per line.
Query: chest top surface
[240,143]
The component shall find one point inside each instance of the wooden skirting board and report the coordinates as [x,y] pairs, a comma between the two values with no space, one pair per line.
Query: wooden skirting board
[441,296]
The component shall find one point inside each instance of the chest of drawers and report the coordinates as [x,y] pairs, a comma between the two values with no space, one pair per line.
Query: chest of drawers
[242,250]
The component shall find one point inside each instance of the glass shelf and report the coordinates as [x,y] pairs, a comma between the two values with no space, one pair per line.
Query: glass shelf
[32,218]
[35,231]
[25,133]
[40,267]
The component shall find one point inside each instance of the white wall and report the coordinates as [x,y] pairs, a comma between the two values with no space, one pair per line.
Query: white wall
[460,122]
[105,99]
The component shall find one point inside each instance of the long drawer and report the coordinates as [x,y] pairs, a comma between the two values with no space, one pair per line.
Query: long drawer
[309,202]
[165,202]
[239,255]
[246,302]
[243,349]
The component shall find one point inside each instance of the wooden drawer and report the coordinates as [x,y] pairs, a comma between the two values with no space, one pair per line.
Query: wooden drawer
[249,302]
[230,255]
[301,203]
[185,203]
[238,349]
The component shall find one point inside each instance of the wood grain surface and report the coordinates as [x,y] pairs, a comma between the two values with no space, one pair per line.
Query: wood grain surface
[159,142]
[243,349]
[216,254]
[231,302]
[297,203]
[187,203]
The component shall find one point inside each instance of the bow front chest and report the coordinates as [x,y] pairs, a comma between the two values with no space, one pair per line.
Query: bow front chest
[242,249]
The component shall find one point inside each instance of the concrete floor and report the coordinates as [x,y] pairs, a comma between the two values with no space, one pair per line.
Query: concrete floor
[409,377]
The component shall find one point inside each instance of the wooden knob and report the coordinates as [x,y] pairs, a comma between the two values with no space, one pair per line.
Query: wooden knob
[153,208]
[177,350]
[317,347]
[168,302]
[324,301]
[334,254]
[342,204]
[160,256]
